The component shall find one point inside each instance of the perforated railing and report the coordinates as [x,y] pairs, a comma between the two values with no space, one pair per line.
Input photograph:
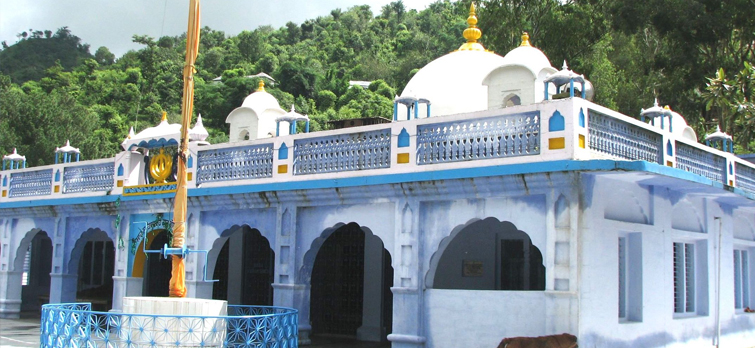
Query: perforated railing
[75,325]
[236,163]
[700,162]
[495,137]
[745,177]
[343,152]
[98,177]
[27,184]
[614,137]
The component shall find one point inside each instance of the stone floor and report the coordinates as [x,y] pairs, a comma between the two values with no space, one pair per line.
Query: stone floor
[24,332]
[19,332]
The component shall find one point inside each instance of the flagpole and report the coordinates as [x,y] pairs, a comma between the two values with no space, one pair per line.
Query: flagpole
[177,279]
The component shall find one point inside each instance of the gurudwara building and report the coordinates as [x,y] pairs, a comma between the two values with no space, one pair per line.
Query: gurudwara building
[500,202]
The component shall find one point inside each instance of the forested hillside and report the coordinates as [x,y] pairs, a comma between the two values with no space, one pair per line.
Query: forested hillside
[691,54]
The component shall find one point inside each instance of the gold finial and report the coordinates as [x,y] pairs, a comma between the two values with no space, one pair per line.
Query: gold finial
[525,40]
[261,86]
[472,33]
[165,117]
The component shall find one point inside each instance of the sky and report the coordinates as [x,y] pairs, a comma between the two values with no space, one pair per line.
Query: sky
[112,23]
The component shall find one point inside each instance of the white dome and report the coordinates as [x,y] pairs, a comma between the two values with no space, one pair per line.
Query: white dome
[260,101]
[453,83]
[529,57]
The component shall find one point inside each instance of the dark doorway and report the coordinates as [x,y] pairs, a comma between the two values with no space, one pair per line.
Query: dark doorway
[337,295]
[35,280]
[157,269]
[95,283]
[246,257]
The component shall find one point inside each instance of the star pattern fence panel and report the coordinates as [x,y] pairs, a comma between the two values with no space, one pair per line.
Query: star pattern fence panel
[27,184]
[75,325]
[624,140]
[496,137]
[237,163]
[343,152]
[92,178]
[700,162]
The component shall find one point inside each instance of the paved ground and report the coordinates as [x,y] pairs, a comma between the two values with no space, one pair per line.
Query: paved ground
[22,333]
[19,332]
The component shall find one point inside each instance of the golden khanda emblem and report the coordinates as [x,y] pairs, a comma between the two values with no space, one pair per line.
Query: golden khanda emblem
[160,167]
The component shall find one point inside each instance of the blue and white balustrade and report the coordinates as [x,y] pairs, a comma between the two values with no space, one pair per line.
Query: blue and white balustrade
[76,325]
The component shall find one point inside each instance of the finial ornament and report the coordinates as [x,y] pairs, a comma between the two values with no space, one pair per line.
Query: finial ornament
[472,33]
[165,117]
[525,40]
[261,86]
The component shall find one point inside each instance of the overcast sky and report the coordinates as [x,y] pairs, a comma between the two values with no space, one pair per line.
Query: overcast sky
[112,23]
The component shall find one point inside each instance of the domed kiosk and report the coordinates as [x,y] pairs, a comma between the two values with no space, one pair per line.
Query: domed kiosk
[474,79]
[256,116]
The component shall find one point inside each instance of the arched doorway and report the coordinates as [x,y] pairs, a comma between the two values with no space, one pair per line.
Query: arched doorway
[245,269]
[35,279]
[350,286]
[96,263]
[157,268]
[488,255]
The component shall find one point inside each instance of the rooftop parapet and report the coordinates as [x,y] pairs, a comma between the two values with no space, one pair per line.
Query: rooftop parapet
[518,139]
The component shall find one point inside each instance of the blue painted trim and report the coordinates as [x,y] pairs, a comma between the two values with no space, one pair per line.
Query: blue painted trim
[448,174]
[189,162]
[669,148]
[582,118]
[5,181]
[120,169]
[462,173]
[62,201]
[556,122]
[403,138]
[731,168]
[283,152]
[57,175]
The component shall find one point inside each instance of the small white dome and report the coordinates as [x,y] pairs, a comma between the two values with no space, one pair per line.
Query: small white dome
[260,101]
[529,57]
[453,83]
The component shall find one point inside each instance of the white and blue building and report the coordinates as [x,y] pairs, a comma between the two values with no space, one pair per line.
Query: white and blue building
[487,209]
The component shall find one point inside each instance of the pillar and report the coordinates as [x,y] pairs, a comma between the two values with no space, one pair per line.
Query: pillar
[125,286]
[63,287]
[372,303]
[10,294]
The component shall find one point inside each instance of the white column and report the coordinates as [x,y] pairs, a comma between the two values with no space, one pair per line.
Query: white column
[125,286]
[10,294]
[372,304]
[63,287]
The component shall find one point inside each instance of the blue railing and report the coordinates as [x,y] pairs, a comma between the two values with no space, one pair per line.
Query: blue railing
[496,137]
[343,152]
[75,325]
[700,162]
[98,177]
[236,163]
[745,177]
[614,137]
[27,184]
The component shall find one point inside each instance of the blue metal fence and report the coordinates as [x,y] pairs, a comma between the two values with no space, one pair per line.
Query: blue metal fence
[76,325]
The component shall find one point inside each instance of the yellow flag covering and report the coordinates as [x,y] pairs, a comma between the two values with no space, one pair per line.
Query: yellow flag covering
[177,281]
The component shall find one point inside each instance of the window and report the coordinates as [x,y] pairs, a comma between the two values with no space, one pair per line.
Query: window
[630,277]
[684,278]
[512,101]
[27,267]
[741,279]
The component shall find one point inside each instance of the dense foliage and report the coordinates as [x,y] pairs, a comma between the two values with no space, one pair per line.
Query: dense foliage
[52,88]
